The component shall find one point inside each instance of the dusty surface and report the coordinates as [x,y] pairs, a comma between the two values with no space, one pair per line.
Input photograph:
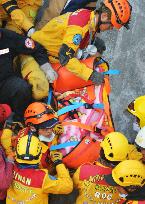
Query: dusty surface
[126,51]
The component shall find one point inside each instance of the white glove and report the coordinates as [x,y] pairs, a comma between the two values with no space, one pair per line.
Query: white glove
[89,50]
[30,32]
[51,75]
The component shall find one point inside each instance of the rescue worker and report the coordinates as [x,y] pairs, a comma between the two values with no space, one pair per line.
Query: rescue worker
[64,35]
[44,121]
[97,185]
[19,15]
[137,109]
[6,173]
[114,149]
[139,194]
[14,90]
[31,184]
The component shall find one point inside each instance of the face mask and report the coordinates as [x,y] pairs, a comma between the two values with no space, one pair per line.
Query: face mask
[46,139]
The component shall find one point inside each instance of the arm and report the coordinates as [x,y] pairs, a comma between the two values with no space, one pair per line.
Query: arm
[76,179]
[24,45]
[61,185]
[17,15]
[67,54]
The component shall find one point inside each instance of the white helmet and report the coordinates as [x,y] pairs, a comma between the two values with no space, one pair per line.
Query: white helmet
[140,138]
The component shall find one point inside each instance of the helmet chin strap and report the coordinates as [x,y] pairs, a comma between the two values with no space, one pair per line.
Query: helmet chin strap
[99,22]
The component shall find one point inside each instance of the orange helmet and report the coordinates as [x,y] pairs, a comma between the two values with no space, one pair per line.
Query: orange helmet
[37,113]
[120,12]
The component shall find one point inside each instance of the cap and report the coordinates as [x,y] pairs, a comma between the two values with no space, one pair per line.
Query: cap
[5,112]
[109,179]
[49,123]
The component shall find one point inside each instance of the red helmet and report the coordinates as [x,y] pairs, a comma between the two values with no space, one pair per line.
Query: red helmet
[120,12]
[37,113]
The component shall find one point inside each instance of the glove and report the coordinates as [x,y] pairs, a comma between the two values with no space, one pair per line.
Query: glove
[65,54]
[51,75]
[56,157]
[12,124]
[30,31]
[58,129]
[97,77]
[91,50]
[100,45]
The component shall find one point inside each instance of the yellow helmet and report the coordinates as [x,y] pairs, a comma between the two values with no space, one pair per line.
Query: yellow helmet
[115,146]
[128,173]
[137,108]
[28,149]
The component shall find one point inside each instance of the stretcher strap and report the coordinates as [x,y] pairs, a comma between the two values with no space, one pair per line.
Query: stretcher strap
[64,145]
[112,71]
[74,106]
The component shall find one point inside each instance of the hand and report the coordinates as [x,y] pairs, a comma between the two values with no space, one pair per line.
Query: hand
[56,157]
[51,75]
[58,129]
[11,157]
[100,45]
[30,31]
[97,77]
[9,122]
[90,50]
[12,124]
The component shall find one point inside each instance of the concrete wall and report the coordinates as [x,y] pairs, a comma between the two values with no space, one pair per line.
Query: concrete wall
[126,51]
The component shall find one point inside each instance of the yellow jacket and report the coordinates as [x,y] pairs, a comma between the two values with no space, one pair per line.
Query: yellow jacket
[63,30]
[89,180]
[33,185]
[22,12]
